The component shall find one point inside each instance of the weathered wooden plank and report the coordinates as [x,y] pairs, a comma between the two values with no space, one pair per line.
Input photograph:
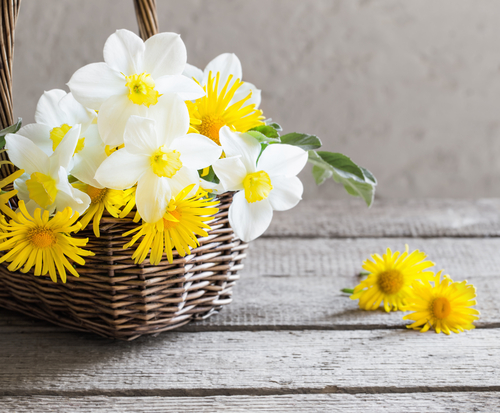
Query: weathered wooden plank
[303,403]
[249,363]
[390,218]
[295,283]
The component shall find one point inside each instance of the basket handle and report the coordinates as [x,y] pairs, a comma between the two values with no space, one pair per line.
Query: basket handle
[147,17]
[147,20]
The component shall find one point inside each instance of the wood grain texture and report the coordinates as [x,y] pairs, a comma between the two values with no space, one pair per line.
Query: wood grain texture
[249,363]
[294,283]
[389,218]
[486,402]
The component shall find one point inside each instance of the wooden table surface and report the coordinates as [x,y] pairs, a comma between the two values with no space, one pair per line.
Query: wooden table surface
[290,341]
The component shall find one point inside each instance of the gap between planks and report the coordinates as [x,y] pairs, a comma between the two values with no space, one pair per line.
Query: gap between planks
[200,392]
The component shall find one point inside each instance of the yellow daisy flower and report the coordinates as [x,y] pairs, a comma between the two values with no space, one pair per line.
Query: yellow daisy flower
[445,306]
[101,199]
[215,110]
[42,242]
[390,278]
[5,196]
[183,220]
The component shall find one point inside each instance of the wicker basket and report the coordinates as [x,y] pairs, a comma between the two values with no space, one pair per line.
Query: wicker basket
[113,296]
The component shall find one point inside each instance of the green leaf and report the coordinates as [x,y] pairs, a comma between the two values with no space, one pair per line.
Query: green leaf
[321,174]
[347,290]
[344,171]
[267,130]
[10,129]
[302,140]
[261,137]
[210,177]
[276,126]
[341,163]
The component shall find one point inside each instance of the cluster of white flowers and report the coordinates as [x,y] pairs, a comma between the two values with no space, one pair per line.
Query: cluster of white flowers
[126,123]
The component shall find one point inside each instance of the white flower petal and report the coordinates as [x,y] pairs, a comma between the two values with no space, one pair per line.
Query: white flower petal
[183,178]
[113,116]
[193,72]
[140,136]
[48,111]
[93,84]
[88,160]
[172,118]
[65,150]
[235,144]
[124,52]
[243,92]
[75,113]
[212,187]
[226,64]
[197,151]
[38,134]
[26,155]
[282,160]
[22,190]
[165,54]
[152,196]
[231,172]
[71,197]
[286,193]
[182,86]
[249,220]
[121,170]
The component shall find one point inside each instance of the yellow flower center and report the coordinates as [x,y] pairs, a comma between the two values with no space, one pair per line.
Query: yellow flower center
[257,186]
[58,134]
[110,149]
[42,237]
[96,195]
[172,224]
[391,281]
[166,162]
[441,307]
[42,189]
[142,89]
[210,126]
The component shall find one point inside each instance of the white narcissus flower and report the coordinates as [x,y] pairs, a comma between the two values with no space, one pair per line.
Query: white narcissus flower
[133,77]
[45,181]
[160,157]
[263,185]
[57,112]
[226,64]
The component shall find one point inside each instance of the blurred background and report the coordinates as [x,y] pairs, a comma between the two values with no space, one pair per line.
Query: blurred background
[408,89]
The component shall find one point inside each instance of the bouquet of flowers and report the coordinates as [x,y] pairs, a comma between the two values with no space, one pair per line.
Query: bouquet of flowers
[144,136]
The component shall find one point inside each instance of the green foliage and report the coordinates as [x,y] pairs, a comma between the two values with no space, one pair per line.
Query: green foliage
[357,181]
[10,129]
[302,140]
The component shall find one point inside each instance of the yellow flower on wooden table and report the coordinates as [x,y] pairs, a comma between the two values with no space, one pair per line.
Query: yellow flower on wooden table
[42,242]
[390,278]
[444,305]
[184,218]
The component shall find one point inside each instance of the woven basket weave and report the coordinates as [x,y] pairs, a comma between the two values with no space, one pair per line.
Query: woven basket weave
[113,296]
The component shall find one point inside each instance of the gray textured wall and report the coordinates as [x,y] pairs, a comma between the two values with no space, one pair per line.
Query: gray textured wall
[408,89]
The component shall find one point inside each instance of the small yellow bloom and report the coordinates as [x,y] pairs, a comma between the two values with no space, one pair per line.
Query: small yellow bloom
[390,278]
[183,220]
[445,306]
[214,110]
[5,197]
[101,199]
[42,242]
